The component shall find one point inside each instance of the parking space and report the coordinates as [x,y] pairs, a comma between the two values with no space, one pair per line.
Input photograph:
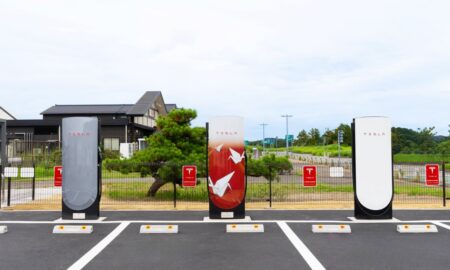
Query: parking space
[287,242]
[200,246]
[33,246]
[29,215]
[377,246]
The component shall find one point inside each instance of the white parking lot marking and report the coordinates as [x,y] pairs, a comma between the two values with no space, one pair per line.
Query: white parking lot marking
[440,224]
[83,261]
[310,259]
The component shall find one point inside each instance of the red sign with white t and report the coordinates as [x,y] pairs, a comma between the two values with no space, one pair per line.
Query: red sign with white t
[57,175]
[432,174]
[309,176]
[189,176]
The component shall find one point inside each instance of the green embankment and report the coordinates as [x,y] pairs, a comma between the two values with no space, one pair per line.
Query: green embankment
[346,151]
[421,158]
[319,150]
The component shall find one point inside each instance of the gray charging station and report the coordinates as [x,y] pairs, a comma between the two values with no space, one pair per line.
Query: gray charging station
[81,160]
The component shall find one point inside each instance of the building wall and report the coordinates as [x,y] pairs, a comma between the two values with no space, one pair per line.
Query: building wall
[20,133]
[113,132]
[102,118]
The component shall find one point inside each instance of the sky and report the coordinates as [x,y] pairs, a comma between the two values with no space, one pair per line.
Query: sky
[324,62]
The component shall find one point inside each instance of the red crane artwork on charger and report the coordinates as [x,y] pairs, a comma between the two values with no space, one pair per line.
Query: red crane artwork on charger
[226,166]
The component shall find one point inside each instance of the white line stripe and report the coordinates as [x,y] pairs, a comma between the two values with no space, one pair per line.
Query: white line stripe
[301,248]
[172,221]
[83,261]
[166,221]
[440,224]
[222,221]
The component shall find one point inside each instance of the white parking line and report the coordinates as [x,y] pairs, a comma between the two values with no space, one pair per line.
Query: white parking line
[220,221]
[310,259]
[83,261]
[440,224]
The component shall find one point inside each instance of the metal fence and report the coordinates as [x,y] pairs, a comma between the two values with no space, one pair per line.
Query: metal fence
[125,189]
[29,152]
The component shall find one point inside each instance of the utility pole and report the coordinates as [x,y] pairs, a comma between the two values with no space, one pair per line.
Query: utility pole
[287,132]
[264,135]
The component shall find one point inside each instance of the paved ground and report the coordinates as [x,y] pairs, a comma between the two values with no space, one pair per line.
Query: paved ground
[287,242]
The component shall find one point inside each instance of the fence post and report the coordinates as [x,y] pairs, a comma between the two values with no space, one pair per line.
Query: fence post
[33,183]
[9,192]
[270,186]
[444,198]
[174,194]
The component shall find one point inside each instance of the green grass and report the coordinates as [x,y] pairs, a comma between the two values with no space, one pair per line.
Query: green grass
[346,151]
[319,150]
[255,191]
[46,173]
[420,158]
[418,191]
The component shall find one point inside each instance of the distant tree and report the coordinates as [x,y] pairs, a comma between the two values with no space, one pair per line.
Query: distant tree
[410,141]
[302,138]
[280,142]
[425,140]
[329,136]
[314,136]
[444,148]
[269,167]
[403,140]
[396,144]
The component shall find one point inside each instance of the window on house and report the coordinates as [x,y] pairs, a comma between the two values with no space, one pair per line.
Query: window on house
[111,144]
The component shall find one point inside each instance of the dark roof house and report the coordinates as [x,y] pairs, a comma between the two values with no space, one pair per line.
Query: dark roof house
[87,109]
[151,100]
[170,107]
[120,123]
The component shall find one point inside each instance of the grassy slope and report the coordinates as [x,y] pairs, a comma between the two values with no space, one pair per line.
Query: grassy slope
[420,158]
[319,150]
[346,151]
